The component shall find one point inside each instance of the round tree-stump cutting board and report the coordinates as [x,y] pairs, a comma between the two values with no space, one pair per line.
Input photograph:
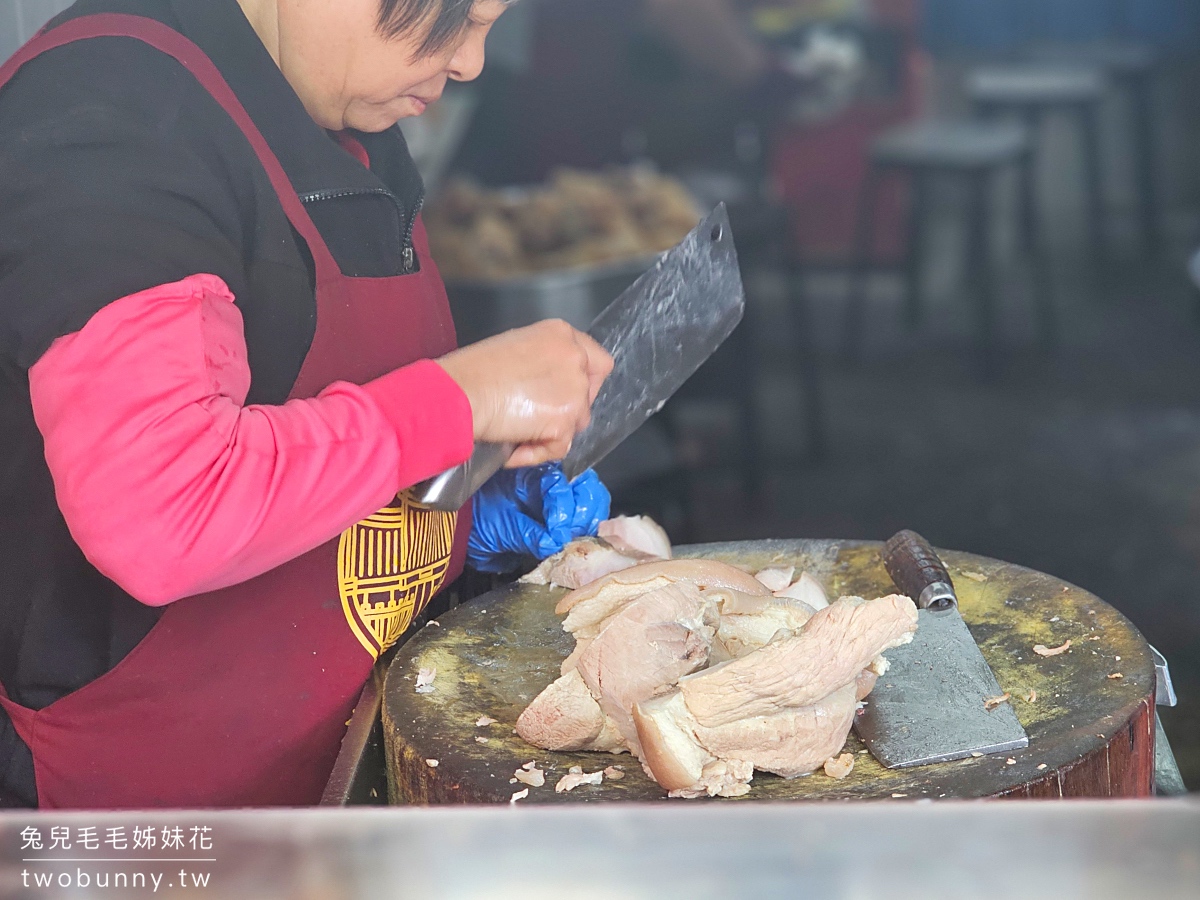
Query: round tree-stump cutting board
[1089,711]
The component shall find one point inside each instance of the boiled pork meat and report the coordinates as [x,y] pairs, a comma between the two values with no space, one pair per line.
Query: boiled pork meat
[565,716]
[776,578]
[834,646]
[677,750]
[646,647]
[807,590]
[581,563]
[703,573]
[750,622]
[637,536]
[623,542]
[641,649]
[789,743]
[706,675]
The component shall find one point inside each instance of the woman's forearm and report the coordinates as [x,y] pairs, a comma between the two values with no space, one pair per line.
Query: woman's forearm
[172,486]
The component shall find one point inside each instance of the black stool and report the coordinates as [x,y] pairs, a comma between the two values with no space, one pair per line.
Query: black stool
[971,151]
[1130,68]
[1031,91]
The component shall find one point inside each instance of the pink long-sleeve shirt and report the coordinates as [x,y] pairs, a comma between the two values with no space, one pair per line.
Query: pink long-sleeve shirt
[172,486]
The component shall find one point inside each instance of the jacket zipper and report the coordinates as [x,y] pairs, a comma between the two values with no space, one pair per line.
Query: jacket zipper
[407,253]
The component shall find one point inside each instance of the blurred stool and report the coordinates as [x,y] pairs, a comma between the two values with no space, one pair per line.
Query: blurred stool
[1033,90]
[1131,68]
[974,152]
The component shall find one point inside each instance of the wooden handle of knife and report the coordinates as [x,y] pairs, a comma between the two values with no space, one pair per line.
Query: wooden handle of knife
[917,571]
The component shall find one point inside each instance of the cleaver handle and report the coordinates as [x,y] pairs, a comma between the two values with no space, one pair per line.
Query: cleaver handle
[918,572]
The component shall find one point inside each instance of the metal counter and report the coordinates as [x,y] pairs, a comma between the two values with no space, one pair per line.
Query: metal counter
[898,850]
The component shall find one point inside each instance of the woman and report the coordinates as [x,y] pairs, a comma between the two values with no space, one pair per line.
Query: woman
[226,355]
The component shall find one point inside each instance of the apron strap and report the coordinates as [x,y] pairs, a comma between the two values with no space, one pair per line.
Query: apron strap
[192,58]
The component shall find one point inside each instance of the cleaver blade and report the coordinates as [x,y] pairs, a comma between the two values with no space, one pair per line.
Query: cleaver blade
[659,332]
[930,704]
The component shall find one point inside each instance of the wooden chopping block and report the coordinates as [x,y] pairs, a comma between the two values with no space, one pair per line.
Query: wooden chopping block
[1091,733]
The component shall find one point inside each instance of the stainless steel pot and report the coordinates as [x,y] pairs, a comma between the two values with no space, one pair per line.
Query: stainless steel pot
[483,308]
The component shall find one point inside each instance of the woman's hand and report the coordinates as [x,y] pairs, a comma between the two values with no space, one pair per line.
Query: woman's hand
[533,387]
[533,513]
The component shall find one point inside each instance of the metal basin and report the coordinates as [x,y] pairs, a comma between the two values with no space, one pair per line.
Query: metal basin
[483,308]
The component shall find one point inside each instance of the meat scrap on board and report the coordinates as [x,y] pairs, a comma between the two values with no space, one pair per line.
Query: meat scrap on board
[705,674]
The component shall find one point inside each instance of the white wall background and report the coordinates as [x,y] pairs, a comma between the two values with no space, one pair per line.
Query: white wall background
[20,20]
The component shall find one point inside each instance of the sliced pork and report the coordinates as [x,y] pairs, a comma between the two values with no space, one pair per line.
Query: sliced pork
[637,536]
[706,675]
[622,542]
[647,647]
[677,749]
[585,618]
[807,590]
[835,645]
[789,743]
[776,578]
[582,562]
[748,623]
[643,648]
[565,716]
[703,573]
[865,682]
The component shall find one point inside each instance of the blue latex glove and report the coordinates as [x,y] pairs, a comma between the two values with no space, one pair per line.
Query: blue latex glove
[535,512]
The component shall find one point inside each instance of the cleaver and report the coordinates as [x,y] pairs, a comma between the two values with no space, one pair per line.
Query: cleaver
[930,704]
[659,332]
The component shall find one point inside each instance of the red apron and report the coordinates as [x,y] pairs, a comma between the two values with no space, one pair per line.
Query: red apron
[240,697]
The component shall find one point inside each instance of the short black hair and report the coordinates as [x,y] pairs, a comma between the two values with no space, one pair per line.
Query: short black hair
[442,20]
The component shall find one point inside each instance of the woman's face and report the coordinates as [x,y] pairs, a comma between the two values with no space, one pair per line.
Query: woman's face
[348,75]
